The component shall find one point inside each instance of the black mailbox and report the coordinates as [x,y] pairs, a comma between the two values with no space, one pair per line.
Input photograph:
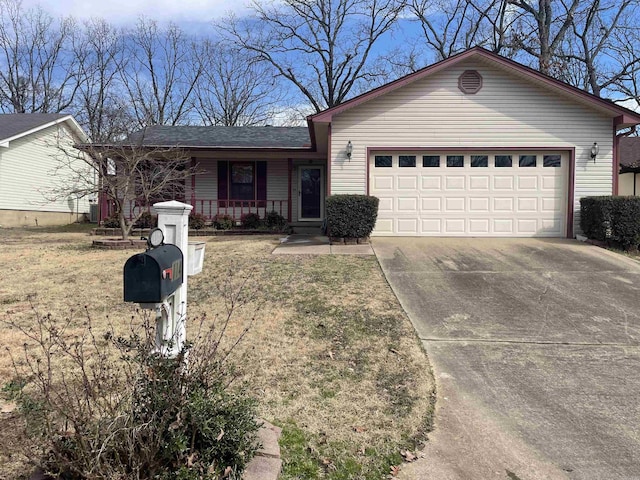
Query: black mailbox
[152,276]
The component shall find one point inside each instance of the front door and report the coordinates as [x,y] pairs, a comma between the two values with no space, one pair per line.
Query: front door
[310,193]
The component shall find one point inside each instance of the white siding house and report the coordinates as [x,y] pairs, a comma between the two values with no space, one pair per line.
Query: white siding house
[513,150]
[32,170]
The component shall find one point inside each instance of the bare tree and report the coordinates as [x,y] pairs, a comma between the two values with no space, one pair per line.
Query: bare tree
[541,29]
[127,173]
[234,89]
[36,76]
[100,103]
[162,73]
[322,47]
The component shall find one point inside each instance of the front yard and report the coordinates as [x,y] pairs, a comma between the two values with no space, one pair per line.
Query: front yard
[329,353]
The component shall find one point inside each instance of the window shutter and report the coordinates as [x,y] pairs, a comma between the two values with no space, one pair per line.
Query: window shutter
[223,182]
[261,182]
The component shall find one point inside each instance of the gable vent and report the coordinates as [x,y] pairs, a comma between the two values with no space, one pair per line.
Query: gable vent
[470,82]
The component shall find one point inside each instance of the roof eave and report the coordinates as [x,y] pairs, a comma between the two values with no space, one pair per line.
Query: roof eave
[75,126]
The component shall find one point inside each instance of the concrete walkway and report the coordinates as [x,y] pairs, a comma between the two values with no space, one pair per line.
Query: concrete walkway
[317,245]
[535,348]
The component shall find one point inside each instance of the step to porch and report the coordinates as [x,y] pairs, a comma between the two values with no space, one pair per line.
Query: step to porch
[306,228]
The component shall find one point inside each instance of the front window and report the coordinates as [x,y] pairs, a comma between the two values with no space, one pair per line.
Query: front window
[242,181]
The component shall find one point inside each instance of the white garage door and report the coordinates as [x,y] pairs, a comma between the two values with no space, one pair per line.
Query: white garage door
[490,194]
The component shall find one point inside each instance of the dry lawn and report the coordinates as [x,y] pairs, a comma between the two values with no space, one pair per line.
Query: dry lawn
[329,353]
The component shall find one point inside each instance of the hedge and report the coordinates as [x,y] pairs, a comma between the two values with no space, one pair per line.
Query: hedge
[351,216]
[611,219]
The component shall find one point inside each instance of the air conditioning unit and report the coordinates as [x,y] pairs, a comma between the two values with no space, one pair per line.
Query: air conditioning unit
[93,213]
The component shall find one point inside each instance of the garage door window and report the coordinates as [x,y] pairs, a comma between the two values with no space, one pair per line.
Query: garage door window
[479,161]
[383,161]
[455,161]
[407,161]
[503,161]
[551,161]
[431,161]
[527,161]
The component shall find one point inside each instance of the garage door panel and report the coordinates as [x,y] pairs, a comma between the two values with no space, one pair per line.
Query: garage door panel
[431,204]
[454,183]
[454,204]
[407,204]
[491,200]
[407,183]
[479,204]
[431,183]
[478,183]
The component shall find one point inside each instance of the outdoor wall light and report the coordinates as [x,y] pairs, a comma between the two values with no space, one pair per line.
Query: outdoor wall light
[349,150]
[595,149]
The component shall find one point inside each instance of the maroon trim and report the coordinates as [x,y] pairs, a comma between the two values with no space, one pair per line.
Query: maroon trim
[223,181]
[328,160]
[570,150]
[616,160]
[326,116]
[261,181]
[571,194]
[312,134]
[290,171]
[193,182]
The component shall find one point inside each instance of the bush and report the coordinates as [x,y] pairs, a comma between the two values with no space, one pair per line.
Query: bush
[197,221]
[111,222]
[351,216]
[107,406]
[274,221]
[611,218]
[223,222]
[250,221]
[147,220]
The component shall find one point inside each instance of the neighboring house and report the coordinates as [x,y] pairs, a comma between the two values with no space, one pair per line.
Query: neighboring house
[31,169]
[629,180]
[475,145]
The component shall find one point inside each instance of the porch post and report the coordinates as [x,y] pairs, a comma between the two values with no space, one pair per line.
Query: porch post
[193,184]
[290,165]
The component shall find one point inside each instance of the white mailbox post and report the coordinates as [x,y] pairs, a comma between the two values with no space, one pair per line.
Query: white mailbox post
[173,220]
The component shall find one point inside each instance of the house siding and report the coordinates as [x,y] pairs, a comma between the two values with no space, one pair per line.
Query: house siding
[626,186]
[30,170]
[508,111]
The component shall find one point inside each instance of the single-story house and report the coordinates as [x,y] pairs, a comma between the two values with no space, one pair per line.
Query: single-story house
[32,172]
[629,180]
[474,145]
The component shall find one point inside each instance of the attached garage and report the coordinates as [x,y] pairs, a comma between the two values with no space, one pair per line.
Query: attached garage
[475,145]
[506,193]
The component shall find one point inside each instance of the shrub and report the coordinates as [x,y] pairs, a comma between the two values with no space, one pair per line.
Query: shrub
[611,218]
[108,406]
[147,220]
[250,221]
[274,221]
[197,221]
[111,222]
[223,222]
[351,216]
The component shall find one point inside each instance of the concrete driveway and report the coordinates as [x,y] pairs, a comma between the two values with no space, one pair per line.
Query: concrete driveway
[535,349]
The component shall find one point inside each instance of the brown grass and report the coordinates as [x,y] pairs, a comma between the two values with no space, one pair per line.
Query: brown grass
[329,349]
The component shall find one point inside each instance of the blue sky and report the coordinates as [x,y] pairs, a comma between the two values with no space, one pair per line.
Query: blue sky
[124,12]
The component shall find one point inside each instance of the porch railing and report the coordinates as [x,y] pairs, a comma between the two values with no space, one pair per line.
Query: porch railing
[234,208]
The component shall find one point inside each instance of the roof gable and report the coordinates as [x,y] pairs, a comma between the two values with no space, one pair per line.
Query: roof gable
[624,117]
[17,125]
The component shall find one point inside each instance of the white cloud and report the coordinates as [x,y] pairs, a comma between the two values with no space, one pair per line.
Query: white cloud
[124,12]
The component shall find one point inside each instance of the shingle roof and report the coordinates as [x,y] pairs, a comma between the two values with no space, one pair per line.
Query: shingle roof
[221,136]
[629,152]
[12,124]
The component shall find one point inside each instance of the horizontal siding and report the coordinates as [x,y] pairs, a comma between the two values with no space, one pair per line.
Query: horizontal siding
[507,112]
[31,170]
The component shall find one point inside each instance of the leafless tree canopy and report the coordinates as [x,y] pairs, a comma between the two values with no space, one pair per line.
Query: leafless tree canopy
[293,56]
